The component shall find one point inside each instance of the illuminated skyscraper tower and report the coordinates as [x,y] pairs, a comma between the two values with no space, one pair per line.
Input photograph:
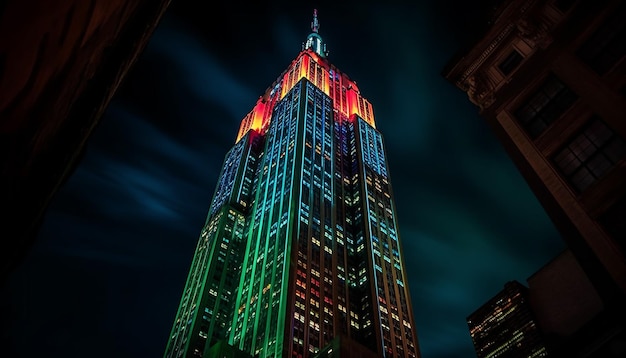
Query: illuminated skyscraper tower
[301,243]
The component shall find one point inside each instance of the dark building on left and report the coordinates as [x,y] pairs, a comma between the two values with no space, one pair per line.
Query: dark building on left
[60,64]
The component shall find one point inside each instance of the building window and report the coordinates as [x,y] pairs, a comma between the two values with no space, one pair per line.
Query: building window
[607,46]
[510,63]
[545,106]
[590,154]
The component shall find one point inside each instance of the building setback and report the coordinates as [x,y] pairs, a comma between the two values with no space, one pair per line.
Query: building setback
[301,249]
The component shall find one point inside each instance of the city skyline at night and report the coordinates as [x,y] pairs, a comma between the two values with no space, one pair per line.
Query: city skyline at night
[301,244]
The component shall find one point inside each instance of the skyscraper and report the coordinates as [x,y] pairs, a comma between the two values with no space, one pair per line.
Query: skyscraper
[301,243]
[505,326]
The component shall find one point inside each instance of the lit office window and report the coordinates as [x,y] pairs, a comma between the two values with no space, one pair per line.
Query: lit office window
[546,105]
[590,154]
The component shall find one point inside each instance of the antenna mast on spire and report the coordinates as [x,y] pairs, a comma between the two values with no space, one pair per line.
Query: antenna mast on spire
[315,25]
[314,40]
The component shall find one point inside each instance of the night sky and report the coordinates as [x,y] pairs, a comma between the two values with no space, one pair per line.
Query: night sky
[111,260]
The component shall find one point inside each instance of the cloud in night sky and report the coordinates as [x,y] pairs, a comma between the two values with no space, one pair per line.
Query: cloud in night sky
[112,257]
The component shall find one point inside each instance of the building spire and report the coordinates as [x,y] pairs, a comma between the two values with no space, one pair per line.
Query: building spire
[314,40]
[315,25]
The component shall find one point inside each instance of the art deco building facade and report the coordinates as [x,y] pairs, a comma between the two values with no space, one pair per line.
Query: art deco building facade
[301,242]
[550,78]
[505,326]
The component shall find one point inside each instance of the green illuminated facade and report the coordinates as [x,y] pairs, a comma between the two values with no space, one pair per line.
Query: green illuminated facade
[301,243]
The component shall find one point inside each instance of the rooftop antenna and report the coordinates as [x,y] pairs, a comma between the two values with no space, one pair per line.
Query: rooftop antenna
[315,25]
